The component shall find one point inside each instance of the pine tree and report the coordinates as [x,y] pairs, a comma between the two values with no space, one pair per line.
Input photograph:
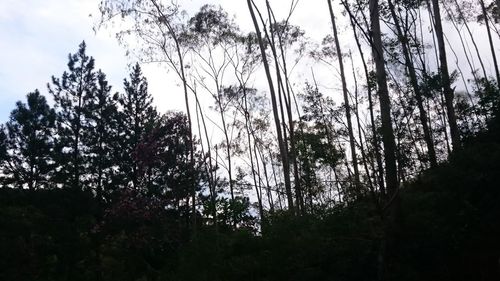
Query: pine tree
[28,145]
[100,137]
[72,94]
[3,144]
[137,119]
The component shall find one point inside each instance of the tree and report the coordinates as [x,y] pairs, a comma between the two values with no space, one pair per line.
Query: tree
[166,159]
[352,140]
[101,138]
[211,30]
[72,94]
[29,144]
[137,118]
[283,151]
[445,76]
[384,99]
[3,144]
[415,85]
[161,30]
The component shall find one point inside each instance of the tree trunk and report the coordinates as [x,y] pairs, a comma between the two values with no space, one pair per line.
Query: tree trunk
[385,102]
[283,152]
[352,140]
[492,47]
[445,77]
[378,156]
[416,88]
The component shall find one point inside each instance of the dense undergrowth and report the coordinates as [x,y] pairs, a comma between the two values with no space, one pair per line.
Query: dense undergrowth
[447,229]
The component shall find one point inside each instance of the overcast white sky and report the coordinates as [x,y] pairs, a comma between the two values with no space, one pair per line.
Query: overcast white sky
[36,37]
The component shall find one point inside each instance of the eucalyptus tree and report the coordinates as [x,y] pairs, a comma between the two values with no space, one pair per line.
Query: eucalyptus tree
[486,19]
[210,32]
[370,85]
[445,75]
[384,99]
[245,60]
[282,147]
[252,106]
[352,140]
[320,146]
[408,61]
[281,38]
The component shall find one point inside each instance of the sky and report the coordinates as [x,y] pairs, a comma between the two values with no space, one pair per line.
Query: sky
[36,37]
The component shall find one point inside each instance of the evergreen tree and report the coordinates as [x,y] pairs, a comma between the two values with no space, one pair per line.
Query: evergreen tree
[164,167]
[28,145]
[136,120]
[72,94]
[100,137]
[3,144]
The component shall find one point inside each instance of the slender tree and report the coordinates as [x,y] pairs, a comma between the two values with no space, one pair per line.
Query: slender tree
[445,75]
[72,94]
[283,152]
[347,106]
[384,99]
[415,85]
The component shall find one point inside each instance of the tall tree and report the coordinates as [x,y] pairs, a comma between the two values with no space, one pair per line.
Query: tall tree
[101,138]
[212,30]
[29,144]
[404,41]
[161,31]
[347,106]
[137,119]
[490,40]
[445,76]
[384,99]
[72,94]
[283,151]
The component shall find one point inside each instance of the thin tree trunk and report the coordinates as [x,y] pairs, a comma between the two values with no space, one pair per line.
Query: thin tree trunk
[209,170]
[445,77]
[352,140]
[375,141]
[360,133]
[188,110]
[286,101]
[283,152]
[385,102]
[387,139]
[416,88]
[463,43]
[492,47]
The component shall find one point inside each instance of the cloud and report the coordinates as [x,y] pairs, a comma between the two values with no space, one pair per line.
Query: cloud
[38,35]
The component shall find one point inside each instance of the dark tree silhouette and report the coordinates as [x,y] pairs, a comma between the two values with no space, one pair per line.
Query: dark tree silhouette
[28,146]
[72,95]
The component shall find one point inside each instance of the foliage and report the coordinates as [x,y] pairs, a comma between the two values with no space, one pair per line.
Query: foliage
[28,145]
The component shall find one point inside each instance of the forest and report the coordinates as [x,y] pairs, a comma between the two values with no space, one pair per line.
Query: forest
[369,155]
